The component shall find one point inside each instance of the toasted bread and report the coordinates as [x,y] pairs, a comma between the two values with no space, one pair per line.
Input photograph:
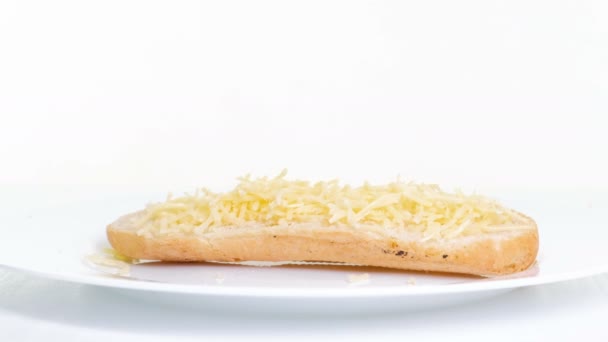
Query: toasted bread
[402,226]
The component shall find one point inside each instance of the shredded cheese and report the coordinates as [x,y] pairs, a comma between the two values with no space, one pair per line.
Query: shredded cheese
[408,206]
[112,261]
[359,279]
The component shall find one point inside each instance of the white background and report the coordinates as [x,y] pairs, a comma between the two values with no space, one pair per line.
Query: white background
[167,93]
[471,93]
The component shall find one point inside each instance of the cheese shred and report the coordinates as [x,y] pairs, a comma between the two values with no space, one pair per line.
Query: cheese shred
[416,208]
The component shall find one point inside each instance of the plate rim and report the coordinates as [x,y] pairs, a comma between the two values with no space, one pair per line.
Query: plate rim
[354,292]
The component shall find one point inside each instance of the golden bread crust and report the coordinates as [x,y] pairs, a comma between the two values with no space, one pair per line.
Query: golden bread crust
[485,254]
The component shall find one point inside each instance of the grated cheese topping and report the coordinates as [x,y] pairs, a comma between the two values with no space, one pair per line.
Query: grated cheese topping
[405,206]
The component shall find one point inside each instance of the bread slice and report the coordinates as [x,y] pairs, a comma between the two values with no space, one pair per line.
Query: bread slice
[487,253]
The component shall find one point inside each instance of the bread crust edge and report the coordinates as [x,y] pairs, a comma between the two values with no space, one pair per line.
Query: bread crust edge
[490,254]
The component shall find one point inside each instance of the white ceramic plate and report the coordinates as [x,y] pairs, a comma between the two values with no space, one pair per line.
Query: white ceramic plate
[49,231]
